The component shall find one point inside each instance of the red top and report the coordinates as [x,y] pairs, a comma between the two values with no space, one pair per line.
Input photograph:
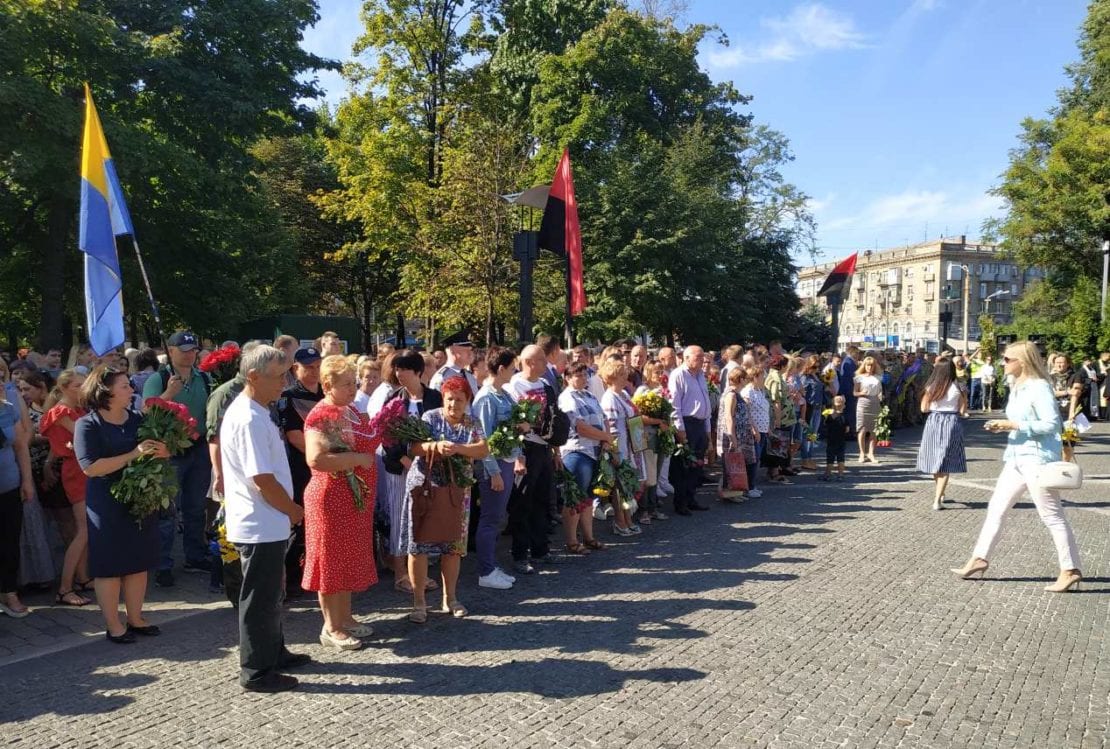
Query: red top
[61,446]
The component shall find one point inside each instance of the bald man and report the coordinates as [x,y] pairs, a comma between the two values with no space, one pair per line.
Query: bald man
[667,358]
[530,502]
[692,410]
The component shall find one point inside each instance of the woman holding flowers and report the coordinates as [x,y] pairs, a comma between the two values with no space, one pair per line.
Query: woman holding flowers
[618,409]
[579,456]
[339,504]
[455,441]
[656,413]
[759,411]
[493,408]
[121,548]
[814,392]
[403,371]
[63,409]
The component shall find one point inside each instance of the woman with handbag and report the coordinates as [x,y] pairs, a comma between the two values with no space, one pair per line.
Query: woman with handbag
[1032,448]
[435,513]
[735,439]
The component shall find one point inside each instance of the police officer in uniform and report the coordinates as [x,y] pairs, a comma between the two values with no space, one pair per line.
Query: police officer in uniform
[460,355]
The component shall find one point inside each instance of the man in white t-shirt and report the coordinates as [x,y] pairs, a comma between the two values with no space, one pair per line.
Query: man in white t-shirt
[260,511]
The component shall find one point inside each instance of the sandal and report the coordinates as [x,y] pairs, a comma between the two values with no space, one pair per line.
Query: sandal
[63,599]
[594,544]
[403,585]
[430,584]
[82,586]
[455,609]
[579,549]
[418,615]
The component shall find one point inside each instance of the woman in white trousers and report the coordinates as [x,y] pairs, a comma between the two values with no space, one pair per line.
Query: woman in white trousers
[1033,426]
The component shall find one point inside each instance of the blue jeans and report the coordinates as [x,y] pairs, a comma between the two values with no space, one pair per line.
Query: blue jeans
[194,475]
[582,467]
[814,418]
[494,505]
[975,397]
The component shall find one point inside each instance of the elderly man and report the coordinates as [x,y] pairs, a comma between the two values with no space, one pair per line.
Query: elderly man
[181,382]
[690,394]
[288,345]
[530,502]
[460,354]
[259,512]
[637,359]
[667,359]
[329,344]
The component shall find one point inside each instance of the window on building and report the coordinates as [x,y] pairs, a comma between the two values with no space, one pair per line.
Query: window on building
[1013,290]
[928,308]
[930,287]
[982,291]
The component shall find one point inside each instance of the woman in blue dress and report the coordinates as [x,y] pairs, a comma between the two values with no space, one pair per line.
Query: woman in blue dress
[454,432]
[121,549]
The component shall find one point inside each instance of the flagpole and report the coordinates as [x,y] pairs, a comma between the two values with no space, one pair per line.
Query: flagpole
[149,293]
[568,326]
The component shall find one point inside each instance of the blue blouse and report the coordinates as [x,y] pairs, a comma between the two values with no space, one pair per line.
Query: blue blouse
[491,408]
[1032,406]
[9,467]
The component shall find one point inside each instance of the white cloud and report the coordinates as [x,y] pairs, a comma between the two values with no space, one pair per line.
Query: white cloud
[912,210]
[807,30]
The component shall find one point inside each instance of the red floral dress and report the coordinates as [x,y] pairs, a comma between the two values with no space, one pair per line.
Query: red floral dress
[61,445]
[339,537]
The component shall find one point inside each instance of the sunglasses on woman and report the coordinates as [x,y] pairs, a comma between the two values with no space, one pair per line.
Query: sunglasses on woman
[1007,359]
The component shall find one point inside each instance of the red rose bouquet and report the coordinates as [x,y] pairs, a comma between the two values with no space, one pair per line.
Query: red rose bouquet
[150,484]
[397,426]
[222,365]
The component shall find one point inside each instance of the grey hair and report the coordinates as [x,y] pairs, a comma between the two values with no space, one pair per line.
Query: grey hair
[259,358]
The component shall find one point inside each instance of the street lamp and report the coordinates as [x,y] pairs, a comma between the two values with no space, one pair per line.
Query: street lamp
[967,280]
[987,299]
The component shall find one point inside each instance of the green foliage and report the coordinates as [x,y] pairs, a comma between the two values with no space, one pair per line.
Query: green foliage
[183,89]
[988,343]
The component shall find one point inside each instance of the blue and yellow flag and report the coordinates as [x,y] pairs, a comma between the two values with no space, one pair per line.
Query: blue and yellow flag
[103,217]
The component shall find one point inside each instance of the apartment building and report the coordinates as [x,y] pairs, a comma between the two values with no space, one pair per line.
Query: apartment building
[913,297]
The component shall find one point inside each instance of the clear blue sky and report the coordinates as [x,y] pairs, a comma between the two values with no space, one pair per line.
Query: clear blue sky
[900,112]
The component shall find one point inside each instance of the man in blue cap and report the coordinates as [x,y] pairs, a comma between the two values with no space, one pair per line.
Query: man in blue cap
[295,403]
[181,382]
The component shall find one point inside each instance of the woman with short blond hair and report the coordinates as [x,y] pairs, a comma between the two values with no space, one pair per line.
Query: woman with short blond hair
[339,504]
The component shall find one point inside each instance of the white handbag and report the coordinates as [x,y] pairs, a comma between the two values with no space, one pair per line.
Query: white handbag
[1060,475]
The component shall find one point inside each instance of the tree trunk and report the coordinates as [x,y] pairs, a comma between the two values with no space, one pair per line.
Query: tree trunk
[400,331]
[52,277]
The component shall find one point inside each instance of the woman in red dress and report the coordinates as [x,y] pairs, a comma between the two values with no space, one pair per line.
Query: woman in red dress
[339,504]
[57,425]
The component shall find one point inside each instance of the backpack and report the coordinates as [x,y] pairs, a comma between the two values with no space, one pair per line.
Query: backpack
[557,423]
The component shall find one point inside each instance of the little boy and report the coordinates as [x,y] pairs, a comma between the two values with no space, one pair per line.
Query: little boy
[837,430]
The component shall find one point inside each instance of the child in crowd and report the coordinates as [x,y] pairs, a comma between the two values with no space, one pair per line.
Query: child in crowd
[836,436]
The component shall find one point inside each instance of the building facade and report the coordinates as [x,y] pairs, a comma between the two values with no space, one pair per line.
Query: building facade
[912,298]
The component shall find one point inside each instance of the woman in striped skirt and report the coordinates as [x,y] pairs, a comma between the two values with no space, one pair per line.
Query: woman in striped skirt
[942,443]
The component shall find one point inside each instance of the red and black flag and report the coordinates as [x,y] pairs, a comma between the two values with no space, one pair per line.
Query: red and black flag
[559,231]
[837,282]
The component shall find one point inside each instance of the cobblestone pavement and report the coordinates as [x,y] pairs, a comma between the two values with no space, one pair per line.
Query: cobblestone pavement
[819,615]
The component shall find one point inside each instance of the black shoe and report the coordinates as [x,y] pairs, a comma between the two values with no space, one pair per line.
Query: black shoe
[148,631]
[682,511]
[523,568]
[272,682]
[164,578]
[202,565]
[290,661]
[126,638]
[698,507]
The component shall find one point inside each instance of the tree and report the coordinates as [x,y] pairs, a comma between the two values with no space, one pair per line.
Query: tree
[160,72]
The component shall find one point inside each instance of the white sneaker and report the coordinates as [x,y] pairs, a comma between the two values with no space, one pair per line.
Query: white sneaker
[504,574]
[493,580]
[754,493]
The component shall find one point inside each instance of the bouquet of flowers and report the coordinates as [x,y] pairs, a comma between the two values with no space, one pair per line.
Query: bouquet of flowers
[150,484]
[654,405]
[1071,433]
[882,428]
[222,365]
[712,386]
[570,491]
[606,479]
[628,478]
[337,442]
[826,412]
[529,408]
[828,376]
[396,426]
[683,453]
[504,440]
[665,442]
[808,434]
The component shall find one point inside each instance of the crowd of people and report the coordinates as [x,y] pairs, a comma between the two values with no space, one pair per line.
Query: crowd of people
[312,469]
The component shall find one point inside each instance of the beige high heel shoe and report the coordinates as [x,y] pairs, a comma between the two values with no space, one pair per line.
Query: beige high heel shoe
[1065,582]
[974,567]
